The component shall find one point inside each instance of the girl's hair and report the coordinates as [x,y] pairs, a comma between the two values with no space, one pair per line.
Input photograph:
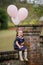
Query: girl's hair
[17,33]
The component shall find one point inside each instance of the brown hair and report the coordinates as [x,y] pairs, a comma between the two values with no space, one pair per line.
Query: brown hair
[17,33]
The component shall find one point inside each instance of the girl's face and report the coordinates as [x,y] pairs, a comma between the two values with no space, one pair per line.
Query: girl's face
[20,33]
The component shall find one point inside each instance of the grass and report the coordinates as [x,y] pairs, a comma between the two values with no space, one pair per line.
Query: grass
[7,39]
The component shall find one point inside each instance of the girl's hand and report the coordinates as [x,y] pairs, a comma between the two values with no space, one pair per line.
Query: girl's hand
[20,47]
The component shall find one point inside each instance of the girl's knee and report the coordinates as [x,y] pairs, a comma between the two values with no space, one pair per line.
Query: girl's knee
[26,50]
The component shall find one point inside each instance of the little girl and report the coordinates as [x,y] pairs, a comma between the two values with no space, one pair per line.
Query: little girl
[19,45]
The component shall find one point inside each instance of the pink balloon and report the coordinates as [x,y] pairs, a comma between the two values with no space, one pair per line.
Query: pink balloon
[16,21]
[12,11]
[22,13]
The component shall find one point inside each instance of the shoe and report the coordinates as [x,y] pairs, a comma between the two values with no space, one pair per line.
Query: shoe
[21,59]
[26,59]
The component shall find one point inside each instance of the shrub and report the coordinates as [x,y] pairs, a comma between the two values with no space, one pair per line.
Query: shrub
[3,19]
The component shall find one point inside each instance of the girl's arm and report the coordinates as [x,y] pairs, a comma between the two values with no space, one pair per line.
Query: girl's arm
[22,43]
[18,44]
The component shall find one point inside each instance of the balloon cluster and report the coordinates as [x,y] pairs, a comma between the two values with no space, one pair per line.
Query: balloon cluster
[17,15]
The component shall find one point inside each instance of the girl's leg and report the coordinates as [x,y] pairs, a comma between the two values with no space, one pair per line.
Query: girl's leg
[20,55]
[25,55]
